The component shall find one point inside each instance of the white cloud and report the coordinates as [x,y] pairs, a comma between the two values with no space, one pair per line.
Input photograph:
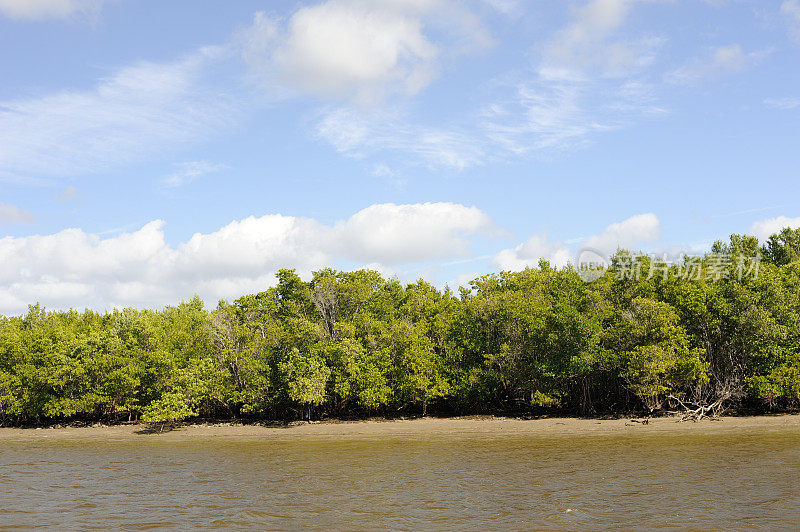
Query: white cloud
[763,229]
[188,172]
[536,118]
[506,7]
[628,234]
[393,234]
[75,268]
[791,10]
[543,118]
[358,50]
[719,61]
[369,56]
[583,84]
[255,245]
[358,133]
[586,82]
[138,111]
[530,252]
[729,57]
[463,279]
[782,103]
[340,48]
[69,193]
[385,172]
[11,214]
[42,9]
[586,44]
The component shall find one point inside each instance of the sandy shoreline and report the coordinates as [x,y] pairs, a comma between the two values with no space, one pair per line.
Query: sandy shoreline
[411,428]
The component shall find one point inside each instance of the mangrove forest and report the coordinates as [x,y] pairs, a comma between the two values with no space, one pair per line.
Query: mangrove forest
[700,335]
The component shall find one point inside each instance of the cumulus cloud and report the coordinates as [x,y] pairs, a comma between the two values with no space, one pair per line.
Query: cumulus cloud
[393,234]
[42,9]
[340,49]
[628,234]
[530,252]
[357,50]
[75,268]
[763,229]
[11,214]
[136,112]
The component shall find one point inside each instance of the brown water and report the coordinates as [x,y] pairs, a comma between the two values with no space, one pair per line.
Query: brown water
[478,481]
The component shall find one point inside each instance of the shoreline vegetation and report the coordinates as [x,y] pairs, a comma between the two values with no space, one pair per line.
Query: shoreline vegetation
[417,427]
[642,339]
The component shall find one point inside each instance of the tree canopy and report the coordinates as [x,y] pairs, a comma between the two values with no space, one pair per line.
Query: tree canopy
[357,344]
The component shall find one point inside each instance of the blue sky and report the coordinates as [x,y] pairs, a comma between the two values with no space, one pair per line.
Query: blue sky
[153,150]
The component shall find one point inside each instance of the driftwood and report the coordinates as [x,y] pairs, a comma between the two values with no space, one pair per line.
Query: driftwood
[695,411]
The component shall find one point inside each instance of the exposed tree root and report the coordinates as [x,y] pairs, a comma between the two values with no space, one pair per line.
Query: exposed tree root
[695,411]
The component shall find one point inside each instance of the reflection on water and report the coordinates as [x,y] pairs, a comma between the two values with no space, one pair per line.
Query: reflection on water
[469,481]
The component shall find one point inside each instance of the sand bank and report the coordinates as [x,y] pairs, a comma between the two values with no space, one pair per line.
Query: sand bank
[411,428]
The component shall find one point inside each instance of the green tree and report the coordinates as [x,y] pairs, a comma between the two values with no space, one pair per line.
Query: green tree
[784,247]
[306,377]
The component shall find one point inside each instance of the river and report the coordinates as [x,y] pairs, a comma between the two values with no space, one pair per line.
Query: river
[480,481]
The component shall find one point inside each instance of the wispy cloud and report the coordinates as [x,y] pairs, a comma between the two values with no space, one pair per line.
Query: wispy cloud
[189,172]
[782,103]
[790,9]
[137,112]
[551,116]
[506,7]
[67,194]
[590,44]
[358,64]
[358,133]
[740,212]
[356,52]
[384,171]
[43,9]
[718,61]
[588,80]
